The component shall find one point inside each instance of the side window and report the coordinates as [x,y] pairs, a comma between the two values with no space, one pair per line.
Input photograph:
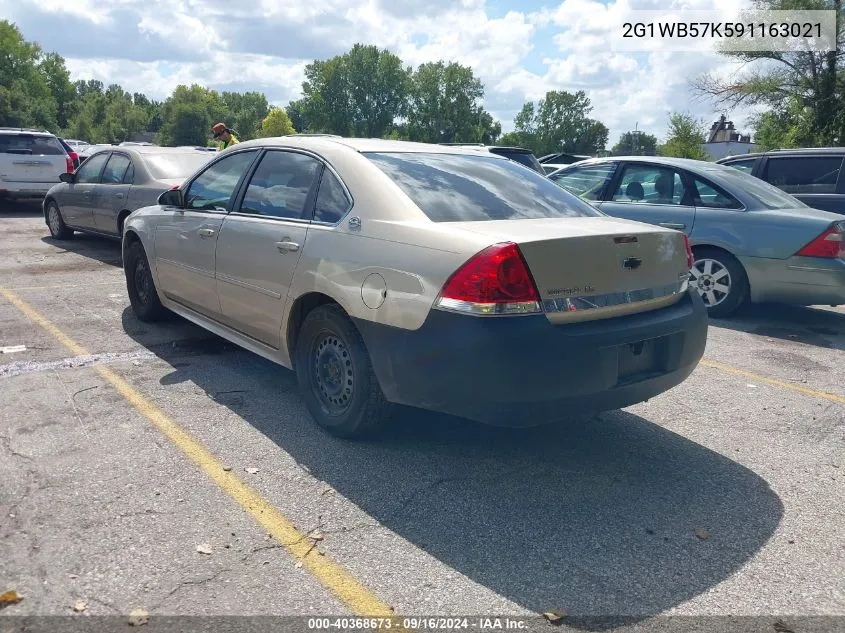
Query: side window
[89,171]
[129,176]
[332,202]
[213,189]
[651,184]
[115,169]
[586,182]
[804,174]
[280,186]
[746,166]
[712,196]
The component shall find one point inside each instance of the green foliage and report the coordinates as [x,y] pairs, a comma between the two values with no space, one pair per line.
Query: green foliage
[560,123]
[803,90]
[189,113]
[636,143]
[685,138]
[25,97]
[276,123]
[245,112]
[295,110]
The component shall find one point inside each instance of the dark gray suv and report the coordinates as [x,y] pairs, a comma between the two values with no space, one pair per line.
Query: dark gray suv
[814,175]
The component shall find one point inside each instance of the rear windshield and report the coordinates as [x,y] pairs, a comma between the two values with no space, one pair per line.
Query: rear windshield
[461,188]
[524,158]
[30,144]
[768,195]
[172,165]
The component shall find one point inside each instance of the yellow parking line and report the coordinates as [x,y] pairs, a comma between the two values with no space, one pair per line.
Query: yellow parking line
[807,391]
[334,577]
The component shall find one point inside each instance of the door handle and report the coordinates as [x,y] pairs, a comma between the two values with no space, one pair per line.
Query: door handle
[287,246]
[206,232]
[86,193]
[118,195]
[673,225]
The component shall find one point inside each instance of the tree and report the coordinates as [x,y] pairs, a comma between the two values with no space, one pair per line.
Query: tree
[560,123]
[359,93]
[296,113]
[685,138]
[636,143]
[245,112]
[25,97]
[52,68]
[812,83]
[188,114]
[445,105]
[276,123]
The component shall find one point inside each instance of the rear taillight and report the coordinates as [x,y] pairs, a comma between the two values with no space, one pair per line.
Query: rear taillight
[495,281]
[69,165]
[690,258]
[828,245]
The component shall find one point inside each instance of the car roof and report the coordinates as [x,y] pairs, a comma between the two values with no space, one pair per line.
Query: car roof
[669,161]
[360,145]
[794,151]
[21,130]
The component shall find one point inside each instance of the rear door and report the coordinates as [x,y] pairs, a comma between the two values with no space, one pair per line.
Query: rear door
[112,193]
[78,202]
[31,158]
[652,193]
[816,180]
[262,240]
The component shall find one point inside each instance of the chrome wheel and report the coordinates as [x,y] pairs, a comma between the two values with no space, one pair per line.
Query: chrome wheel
[54,220]
[712,280]
[332,376]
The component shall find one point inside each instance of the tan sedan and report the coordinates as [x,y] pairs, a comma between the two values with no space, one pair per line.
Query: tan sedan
[387,272]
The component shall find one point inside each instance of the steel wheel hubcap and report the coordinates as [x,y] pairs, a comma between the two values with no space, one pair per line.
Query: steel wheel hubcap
[712,280]
[332,373]
[53,218]
[142,282]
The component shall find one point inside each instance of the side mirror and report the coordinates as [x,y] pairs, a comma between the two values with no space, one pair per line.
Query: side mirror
[67,177]
[171,198]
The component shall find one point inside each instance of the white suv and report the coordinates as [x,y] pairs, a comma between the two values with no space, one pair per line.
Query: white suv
[31,162]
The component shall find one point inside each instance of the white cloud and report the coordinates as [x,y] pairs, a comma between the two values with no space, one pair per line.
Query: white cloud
[151,46]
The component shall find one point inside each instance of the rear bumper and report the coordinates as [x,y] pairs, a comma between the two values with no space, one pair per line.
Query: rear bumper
[522,371]
[796,280]
[17,190]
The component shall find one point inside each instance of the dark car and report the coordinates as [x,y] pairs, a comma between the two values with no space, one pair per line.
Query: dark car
[111,183]
[814,175]
[520,155]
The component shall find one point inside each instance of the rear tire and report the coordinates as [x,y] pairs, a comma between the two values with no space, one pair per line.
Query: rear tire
[140,286]
[336,377]
[720,280]
[56,223]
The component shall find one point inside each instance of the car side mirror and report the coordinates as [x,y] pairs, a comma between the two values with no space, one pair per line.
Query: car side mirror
[171,198]
[67,177]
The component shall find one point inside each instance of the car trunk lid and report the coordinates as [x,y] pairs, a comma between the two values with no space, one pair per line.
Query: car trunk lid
[588,268]
[31,158]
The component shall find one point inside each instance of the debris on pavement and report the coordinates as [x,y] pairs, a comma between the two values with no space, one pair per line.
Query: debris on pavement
[12,349]
[555,617]
[204,548]
[138,617]
[251,471]
[702,534]
[79,606]
[9,598]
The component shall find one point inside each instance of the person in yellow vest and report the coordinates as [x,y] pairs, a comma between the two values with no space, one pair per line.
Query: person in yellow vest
[225,135]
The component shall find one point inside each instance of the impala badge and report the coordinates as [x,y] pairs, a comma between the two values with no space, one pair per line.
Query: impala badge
[632,263]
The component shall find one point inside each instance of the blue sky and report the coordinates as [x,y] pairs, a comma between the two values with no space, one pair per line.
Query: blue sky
[519,48]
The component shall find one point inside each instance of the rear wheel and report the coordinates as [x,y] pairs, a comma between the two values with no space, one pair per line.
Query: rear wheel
[56,224]
[720,280]
[140,286]
[336,376]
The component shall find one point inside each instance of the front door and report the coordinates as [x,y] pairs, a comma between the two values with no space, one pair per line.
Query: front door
[655,194]
[112,193]
[261,242]
[186,238]
[77,204]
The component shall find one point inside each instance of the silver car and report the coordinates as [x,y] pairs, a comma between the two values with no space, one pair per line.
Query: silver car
[111,183]
[438,277]
[752,242]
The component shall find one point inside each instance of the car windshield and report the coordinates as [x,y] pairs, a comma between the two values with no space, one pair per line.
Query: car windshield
[463,188]
[768,195]
[175,165]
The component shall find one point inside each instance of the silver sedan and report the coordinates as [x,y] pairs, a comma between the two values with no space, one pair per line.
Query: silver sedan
[752,242]
[438,277]
[111,183]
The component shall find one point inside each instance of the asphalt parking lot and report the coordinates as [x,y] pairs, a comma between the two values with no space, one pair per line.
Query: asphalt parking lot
[157,467]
